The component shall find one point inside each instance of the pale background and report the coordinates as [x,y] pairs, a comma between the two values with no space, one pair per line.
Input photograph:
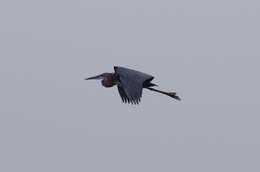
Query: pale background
[52,120]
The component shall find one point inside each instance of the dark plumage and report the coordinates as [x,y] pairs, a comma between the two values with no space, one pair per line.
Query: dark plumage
[130,84]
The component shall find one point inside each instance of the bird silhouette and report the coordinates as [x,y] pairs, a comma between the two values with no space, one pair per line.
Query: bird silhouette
[130,84]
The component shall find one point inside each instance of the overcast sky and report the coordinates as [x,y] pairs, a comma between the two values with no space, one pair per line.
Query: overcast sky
[52,120]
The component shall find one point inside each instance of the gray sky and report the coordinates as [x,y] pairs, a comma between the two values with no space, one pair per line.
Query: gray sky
[52,120]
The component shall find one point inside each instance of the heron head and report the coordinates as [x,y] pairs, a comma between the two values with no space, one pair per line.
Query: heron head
[96,77]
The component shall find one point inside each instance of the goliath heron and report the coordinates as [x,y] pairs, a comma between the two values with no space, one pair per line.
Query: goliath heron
[130,84]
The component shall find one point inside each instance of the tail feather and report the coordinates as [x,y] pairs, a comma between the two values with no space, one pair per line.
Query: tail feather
[152,85]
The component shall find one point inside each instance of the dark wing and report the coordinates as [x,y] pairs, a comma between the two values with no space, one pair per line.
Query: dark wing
[123,94]
[131,84]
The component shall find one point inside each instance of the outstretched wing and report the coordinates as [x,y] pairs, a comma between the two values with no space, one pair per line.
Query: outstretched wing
[131,84]
[123,94]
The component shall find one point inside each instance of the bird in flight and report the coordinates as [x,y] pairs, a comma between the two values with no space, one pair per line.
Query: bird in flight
[130,84]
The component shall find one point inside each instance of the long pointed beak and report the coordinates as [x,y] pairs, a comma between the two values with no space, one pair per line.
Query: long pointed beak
[94,77]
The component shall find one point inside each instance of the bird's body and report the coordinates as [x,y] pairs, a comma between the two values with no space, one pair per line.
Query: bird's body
[130,84]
